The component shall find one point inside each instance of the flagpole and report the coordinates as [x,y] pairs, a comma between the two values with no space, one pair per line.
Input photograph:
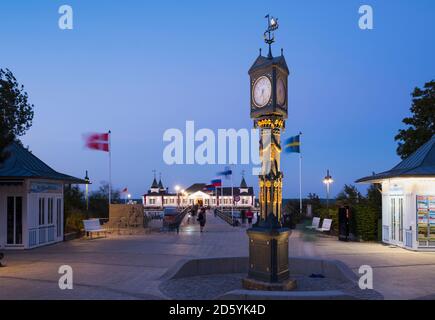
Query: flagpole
[110,168]
[232,197]
[222,195]
[300,174]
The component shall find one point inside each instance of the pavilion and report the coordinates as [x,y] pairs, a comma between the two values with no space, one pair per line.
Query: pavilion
[31,200]
[159,197]
[408,200]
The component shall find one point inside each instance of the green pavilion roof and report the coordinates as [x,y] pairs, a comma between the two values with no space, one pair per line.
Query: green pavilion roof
[419,164]
[22,164]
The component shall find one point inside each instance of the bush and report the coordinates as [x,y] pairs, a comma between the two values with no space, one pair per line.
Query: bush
[366,222]
[331,213]
[74,221]
[291,213]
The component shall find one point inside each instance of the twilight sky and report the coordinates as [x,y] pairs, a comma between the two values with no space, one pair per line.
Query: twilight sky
[141,67]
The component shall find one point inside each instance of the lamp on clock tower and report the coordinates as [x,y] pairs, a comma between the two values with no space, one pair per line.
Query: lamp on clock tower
[268,240]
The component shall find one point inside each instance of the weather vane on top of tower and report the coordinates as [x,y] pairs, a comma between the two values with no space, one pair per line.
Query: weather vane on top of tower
[269,36]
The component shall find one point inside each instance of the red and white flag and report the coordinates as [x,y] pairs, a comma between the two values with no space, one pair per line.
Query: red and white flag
[125,190]
[97,141]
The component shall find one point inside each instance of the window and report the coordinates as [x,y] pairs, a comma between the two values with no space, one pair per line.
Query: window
[50,208]
[59,217]
[152,201]
[393,218]
[14,223]
[41,211]
[400,219]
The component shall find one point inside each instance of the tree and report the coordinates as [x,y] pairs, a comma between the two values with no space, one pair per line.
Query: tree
[314,200]
[16,114]
[99,200]
[349,195]
[374,198]
[74,199]
[421,126]
[292,214]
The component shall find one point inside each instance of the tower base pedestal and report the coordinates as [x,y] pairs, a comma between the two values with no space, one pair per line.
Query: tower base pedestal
[268,260]
[252,284]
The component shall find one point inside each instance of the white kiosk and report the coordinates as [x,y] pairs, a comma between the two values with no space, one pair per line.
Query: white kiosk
[31,201]
[408,200]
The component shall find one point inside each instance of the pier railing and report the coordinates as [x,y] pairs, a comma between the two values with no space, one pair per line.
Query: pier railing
[175,221]
[226,216]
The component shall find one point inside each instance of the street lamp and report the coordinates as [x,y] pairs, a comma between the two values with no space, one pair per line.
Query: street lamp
[327,181]
[88,181]
[183,195]
[177,189]
[128,196]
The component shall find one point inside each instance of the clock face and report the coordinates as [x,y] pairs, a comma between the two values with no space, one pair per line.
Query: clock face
[262,91]
[280,92]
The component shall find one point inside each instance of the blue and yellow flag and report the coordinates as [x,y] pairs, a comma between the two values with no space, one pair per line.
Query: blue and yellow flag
[293,144]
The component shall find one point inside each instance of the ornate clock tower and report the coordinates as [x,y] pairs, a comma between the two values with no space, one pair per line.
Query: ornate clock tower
[268,240]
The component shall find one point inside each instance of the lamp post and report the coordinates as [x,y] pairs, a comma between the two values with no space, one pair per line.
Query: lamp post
[88,181]
[183,195]
[128,196]
[177,189]
[327,181]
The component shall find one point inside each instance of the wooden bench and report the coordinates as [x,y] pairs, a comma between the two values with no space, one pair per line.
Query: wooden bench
[326,225]
[315,224]
[93,226]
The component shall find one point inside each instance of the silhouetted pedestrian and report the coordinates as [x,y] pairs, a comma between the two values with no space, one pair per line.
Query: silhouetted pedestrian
[202,219]
[249,215]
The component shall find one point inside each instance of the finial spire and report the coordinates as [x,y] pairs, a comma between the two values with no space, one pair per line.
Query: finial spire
[269,36]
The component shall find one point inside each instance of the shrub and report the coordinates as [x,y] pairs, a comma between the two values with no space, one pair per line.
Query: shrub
[331,213]
[74,221]
[291,213]
[366,222]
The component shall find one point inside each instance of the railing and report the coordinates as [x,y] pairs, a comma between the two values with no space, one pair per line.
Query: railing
[174,223]
[408,238]
[226,217]
[385,233]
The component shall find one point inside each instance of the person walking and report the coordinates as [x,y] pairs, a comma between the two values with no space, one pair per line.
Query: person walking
[202,219]
[243,216]
[249,215]
[194,212]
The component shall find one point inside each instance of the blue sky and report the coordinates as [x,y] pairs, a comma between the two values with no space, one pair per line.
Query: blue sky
[139,68]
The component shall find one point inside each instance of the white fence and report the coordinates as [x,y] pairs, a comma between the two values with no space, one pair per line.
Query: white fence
[385,233]
[41,235]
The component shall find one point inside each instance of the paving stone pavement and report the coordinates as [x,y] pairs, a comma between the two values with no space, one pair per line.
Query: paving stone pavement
[130,267]
[212,287]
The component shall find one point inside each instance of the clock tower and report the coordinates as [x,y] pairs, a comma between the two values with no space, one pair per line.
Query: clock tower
[268,77]
[268,240]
